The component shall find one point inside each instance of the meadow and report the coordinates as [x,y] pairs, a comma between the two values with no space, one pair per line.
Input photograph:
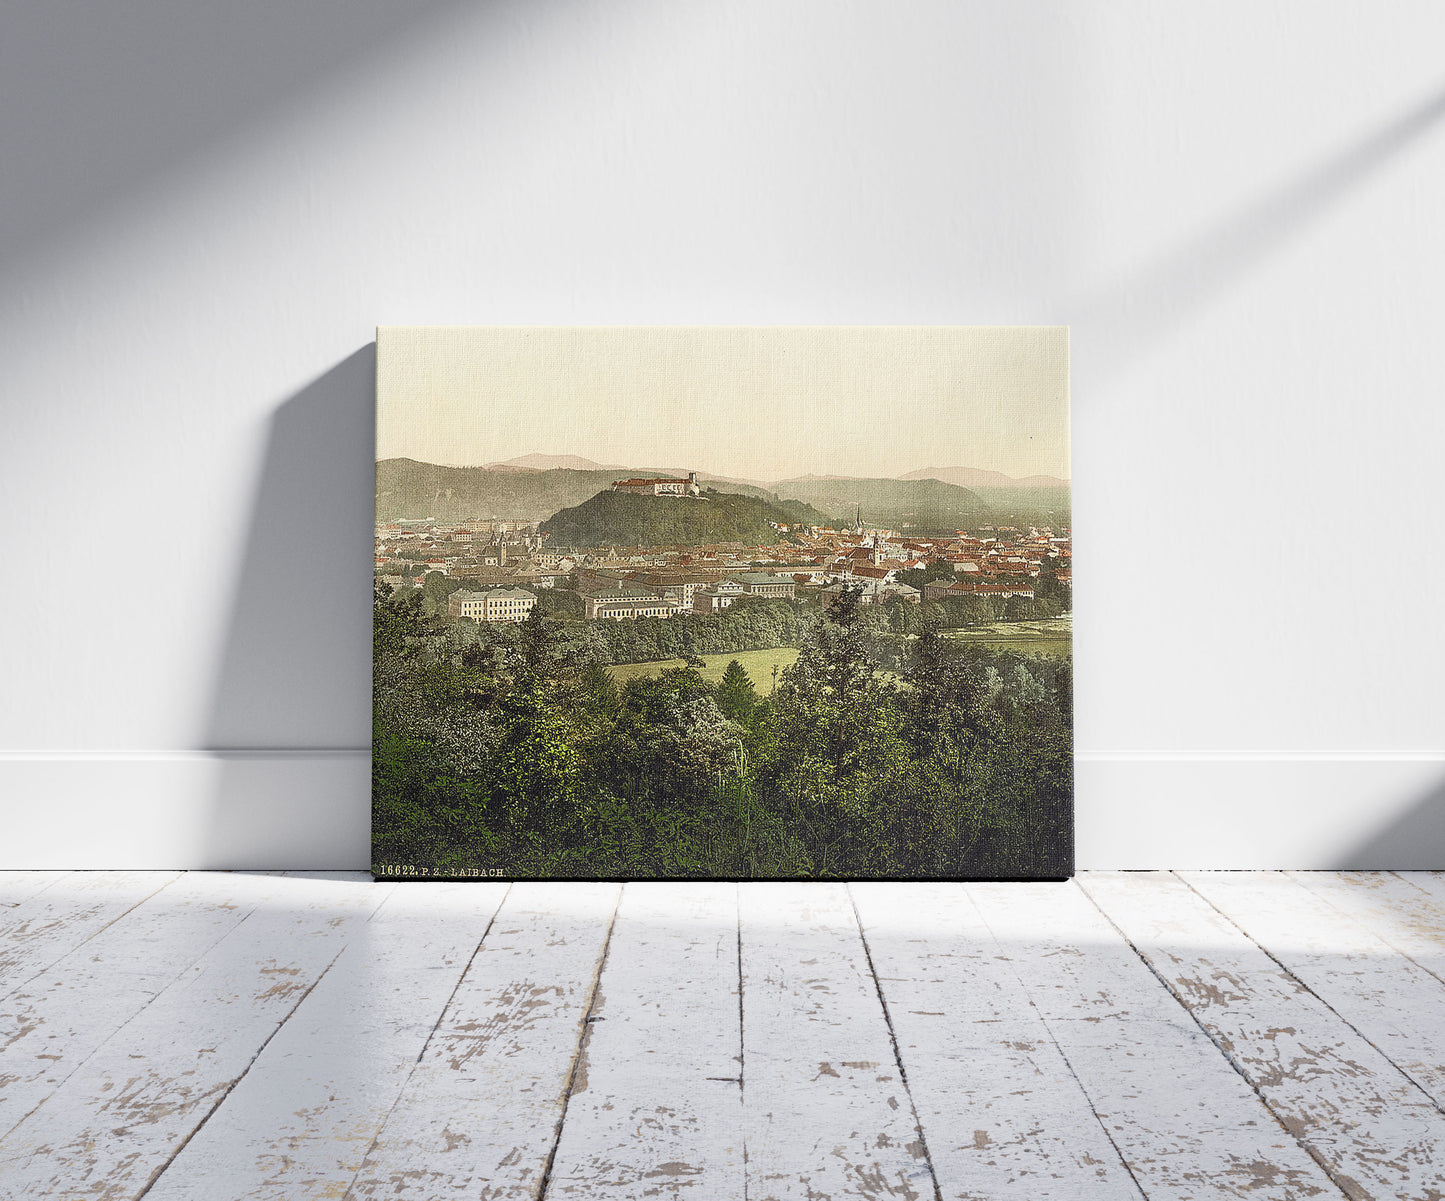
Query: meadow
[758,664]
[1050,639]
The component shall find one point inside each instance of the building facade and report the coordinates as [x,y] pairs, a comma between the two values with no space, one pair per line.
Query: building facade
[660,486]
[607,609]
[496,604]
[762,583]
[716,598]
[627,600]
[940,590]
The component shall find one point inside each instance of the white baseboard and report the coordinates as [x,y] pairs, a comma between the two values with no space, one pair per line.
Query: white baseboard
[185,809]
[309,809]
[1239,810]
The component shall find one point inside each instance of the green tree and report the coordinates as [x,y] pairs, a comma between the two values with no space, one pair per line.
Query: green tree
[536,772]
[736,696]
[840,752]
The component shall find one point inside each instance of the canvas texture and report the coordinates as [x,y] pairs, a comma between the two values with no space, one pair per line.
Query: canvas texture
[723,603]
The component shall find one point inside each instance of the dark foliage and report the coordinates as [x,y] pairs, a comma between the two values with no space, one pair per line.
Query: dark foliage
[625,519]
[883,752]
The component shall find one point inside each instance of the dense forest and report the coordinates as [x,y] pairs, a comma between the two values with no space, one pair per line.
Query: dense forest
[886,750]
[624,519]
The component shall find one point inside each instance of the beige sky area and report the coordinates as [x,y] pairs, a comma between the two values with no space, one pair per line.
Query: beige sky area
[761,403]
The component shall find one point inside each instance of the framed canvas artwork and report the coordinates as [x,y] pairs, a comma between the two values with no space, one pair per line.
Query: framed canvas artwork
[727,603]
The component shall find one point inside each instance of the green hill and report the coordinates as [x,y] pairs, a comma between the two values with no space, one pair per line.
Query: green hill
[1029,506]
[622,519]
[922,505]
[409,490]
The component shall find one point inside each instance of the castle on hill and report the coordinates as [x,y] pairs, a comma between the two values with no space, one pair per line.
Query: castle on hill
[660,487]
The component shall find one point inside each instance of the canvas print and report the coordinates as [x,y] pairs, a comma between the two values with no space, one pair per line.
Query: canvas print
[729,603]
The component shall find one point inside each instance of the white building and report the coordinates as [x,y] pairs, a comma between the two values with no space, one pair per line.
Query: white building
[717,598]
[660,487]
[495,604]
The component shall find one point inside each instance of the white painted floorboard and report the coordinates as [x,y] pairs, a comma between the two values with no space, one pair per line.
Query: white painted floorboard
[1001,1112]
[1186,1125]
[480,1114]
[656,1104]
[300,1122]
[826,1110]
[1126,1037]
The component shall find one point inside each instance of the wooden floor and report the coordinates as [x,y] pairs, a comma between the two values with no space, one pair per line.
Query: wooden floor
[1158,1035]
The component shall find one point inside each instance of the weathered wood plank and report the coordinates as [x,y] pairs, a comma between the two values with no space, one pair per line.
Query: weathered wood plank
[1001,1113]
[48,925]
[656,1107]
[17,886]
[826,1111]
[300,1123]
[1401,908]
[54,1022]
[1187,1125]
[115,1123]
[1391,1001]
[1430,883]
[1375,1131]
[479,1116]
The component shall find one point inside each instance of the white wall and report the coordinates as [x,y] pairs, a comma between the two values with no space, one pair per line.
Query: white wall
[205,208]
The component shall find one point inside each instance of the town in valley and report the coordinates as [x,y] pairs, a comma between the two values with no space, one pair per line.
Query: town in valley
[498,569]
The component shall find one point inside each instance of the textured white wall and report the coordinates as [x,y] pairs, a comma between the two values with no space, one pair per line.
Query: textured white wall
[206,207]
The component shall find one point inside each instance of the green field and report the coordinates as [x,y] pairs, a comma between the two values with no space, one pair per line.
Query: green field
[758,664]
[1053,639]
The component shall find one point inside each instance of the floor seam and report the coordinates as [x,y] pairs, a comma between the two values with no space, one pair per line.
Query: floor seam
[1230,1059]
[584,1037]
[106,1041]
[1063,1055]
[1289,974]
[1345,913]
[742,1038]
[92,935]
[231,1087]
[893,1041]
[441,1016]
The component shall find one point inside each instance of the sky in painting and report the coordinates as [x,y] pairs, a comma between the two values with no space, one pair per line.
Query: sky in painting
[755,403]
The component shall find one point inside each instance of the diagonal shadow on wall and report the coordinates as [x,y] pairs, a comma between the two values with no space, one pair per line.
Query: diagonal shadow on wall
[1126,318]
[1413,841]
[105,101]
[289,721]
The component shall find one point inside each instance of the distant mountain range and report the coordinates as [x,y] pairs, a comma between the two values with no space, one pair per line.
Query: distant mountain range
[927,504]
[537,487]
[963,477]
[409,490]
[976,477]
[578,463]
[551,462]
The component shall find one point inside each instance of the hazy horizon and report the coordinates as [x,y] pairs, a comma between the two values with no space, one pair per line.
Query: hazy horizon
[763,404]
[706,471]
